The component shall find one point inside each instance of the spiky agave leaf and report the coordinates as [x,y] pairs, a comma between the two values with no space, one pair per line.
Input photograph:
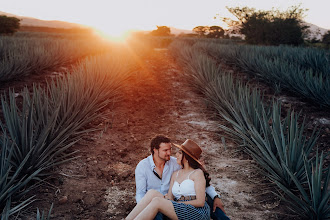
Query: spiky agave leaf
[12,182]
[42,216]
[310,200]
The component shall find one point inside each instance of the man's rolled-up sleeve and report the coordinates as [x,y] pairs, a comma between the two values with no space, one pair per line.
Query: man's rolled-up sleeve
[211,191]
[140,182]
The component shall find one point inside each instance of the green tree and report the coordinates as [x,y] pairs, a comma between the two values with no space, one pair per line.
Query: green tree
[200,30]
[269,27]
[215,32]
[326,39]
[161,31]
[8,25]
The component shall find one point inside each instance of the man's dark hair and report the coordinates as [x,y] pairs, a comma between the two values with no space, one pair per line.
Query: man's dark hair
[156,141]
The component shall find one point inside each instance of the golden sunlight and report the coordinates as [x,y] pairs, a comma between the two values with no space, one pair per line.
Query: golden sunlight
[112,33]
[113,30]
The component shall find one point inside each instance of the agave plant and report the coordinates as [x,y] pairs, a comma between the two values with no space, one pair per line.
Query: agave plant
[34,133]
[303,71]
[50,120]
[42,216]
[37,134]
[310,200]
[278,144]
[13,185]
[22,56]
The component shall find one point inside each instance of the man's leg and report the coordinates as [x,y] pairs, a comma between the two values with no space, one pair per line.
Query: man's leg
[159,216]
[218,214]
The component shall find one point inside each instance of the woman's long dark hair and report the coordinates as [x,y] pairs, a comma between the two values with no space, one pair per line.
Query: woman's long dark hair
[194,164]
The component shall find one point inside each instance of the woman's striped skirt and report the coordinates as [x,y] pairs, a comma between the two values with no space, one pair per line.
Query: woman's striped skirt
[185,212]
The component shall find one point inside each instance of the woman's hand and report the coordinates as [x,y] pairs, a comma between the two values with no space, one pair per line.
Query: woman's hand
[218,203]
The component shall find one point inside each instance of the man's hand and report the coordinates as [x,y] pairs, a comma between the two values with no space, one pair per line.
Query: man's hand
[218,203]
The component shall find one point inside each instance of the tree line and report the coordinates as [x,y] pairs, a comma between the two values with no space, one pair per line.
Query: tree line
[271,27]
[262,27]
[9,25]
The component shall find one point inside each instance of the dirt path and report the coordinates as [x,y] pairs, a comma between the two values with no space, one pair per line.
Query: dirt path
[100,184]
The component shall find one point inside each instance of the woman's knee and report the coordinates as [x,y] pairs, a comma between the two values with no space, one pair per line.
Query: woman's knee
[156,201]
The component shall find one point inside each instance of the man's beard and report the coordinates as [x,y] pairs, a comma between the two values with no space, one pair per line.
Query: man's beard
[166,158]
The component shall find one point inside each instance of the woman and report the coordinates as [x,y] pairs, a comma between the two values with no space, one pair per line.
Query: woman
[186,197]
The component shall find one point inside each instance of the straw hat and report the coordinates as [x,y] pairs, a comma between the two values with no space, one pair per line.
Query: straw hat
[192,149]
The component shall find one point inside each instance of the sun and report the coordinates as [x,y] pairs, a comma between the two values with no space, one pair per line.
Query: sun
[113,33]
[119,37]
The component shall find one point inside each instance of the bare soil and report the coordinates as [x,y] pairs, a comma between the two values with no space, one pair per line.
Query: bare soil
[156,100]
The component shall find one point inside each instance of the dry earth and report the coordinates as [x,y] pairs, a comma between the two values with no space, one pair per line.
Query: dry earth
[156,100]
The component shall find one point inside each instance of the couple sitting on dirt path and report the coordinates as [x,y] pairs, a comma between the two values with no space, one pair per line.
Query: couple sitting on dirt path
[186,178]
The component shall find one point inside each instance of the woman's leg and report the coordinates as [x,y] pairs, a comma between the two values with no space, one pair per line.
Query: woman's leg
[144,203]
[156,205]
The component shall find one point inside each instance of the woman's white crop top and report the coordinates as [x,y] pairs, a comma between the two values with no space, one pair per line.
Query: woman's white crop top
[185,188]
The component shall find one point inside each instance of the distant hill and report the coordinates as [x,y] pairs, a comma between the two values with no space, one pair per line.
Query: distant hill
[316,31]
[177,31]
[28,21]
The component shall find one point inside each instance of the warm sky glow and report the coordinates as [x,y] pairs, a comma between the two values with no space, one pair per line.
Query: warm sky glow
[116,16]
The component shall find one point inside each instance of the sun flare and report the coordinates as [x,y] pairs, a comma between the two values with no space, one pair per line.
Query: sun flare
[113,34]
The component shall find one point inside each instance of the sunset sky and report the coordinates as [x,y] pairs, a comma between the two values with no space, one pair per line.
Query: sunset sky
[117,16]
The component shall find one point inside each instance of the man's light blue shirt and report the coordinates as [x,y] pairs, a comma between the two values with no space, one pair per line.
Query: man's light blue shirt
[146,179]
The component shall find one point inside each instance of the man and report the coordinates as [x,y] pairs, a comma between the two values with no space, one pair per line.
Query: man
[155,171]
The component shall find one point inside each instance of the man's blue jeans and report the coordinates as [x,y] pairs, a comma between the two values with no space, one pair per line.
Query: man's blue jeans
[159,216]
[217,215]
